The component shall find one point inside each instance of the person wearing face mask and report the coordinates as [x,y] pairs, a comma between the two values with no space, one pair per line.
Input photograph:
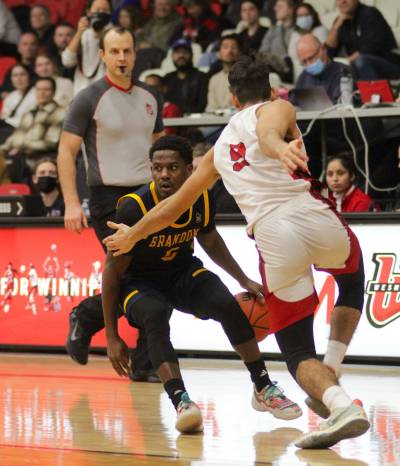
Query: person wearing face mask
[318,69]
[306,21]
[85,44]
[45,180]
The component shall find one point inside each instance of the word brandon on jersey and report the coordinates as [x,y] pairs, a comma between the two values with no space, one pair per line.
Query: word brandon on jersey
[166,241]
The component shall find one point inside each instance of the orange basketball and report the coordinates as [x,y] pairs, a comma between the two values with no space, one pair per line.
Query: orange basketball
[256,313]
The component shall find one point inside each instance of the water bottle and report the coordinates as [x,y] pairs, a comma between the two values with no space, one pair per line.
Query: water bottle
[85,207]
[346,87]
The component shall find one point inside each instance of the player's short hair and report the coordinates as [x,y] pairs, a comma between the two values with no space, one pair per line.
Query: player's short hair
[119,30]
[249,79]
[175,143]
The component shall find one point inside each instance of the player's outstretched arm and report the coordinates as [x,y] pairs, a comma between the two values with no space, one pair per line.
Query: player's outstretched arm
[276,121]
[117,350]
[166,212]
[215,247]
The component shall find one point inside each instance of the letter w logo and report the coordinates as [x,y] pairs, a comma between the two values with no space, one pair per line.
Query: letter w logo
[238,155]
[383,291]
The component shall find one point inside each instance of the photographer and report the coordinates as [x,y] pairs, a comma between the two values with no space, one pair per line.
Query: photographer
[84,46]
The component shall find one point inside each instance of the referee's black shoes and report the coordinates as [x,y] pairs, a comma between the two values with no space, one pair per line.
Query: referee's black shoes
[78,340]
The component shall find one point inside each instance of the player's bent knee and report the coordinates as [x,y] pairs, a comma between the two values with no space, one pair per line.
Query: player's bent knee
[351,289]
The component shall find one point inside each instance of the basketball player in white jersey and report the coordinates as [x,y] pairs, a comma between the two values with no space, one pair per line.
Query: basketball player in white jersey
[261,160]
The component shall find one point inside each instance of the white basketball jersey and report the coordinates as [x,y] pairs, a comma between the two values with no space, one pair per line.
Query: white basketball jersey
[258,183]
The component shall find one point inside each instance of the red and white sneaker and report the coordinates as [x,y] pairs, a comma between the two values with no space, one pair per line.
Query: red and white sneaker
[272,399]
[189,418]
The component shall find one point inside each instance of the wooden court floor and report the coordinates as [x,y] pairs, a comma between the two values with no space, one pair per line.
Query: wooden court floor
[54,412]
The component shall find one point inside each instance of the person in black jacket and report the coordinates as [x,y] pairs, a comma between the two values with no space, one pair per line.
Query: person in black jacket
[367,39]
[187,86]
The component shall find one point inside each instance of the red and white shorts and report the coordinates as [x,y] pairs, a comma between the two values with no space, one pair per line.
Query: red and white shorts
[302,233]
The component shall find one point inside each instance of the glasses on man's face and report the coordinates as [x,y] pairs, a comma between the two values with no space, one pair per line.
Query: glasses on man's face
[311,59]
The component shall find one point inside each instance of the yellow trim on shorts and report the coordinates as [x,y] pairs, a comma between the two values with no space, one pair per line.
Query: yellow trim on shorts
[206,208]
[137,198]
[130,295]
[198,271]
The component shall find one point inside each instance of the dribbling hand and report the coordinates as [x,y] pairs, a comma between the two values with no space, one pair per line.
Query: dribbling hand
[255,289]
[119,243]
[294,157]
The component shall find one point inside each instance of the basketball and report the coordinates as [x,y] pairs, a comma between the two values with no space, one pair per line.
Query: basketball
[256,313]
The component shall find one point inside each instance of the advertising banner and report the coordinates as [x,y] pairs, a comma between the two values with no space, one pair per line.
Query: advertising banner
[46,271]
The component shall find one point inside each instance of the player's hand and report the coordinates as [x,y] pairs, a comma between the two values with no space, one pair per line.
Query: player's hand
[120,242]
[74,218]
[294,157]
[255,289]
[118,354]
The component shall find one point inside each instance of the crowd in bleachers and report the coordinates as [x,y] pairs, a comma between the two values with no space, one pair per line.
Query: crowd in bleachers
[49,50]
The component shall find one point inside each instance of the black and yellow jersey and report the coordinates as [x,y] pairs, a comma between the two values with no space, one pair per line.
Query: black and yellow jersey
[171,247]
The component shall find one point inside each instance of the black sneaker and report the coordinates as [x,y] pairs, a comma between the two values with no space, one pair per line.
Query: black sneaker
[78,340]
[144,375]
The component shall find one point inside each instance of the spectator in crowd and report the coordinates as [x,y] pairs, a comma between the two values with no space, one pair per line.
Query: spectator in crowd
[219,96]
[9,32]
[201,24]
[170,110]
[46,67]
[63,34]
[85,44]
[131,17]
[45,180]
[224,202]
[17,102]
[275,43]
[321,71]
[340,178]
[186,87]
[306,22]
[3,170]
[41,25]
[367,40]
[158,31]
[39,130]
[318,69]
[253,33]
[27,50]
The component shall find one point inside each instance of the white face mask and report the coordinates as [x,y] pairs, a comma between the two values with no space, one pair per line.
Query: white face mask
[304,22]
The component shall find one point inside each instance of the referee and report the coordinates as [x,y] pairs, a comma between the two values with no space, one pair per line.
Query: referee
[115,121]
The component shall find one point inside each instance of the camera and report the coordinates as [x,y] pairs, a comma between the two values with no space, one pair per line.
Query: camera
[99,20]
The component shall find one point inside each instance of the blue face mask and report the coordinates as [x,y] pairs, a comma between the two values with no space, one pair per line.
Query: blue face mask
[315,68]
[304,22]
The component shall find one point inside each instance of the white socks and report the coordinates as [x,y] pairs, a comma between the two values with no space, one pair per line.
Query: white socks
[334,355]
[335,397]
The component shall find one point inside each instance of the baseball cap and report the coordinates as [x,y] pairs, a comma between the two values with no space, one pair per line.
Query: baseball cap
[181,43]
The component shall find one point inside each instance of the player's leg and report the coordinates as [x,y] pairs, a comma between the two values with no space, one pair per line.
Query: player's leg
[86,319]
[347,419]
[205,296]
[150,312]
[345,315]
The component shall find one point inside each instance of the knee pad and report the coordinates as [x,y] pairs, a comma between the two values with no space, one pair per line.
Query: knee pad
[351,288]
[296,343]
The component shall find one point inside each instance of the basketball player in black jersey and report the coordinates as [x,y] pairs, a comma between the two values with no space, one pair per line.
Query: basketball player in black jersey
[161,272]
